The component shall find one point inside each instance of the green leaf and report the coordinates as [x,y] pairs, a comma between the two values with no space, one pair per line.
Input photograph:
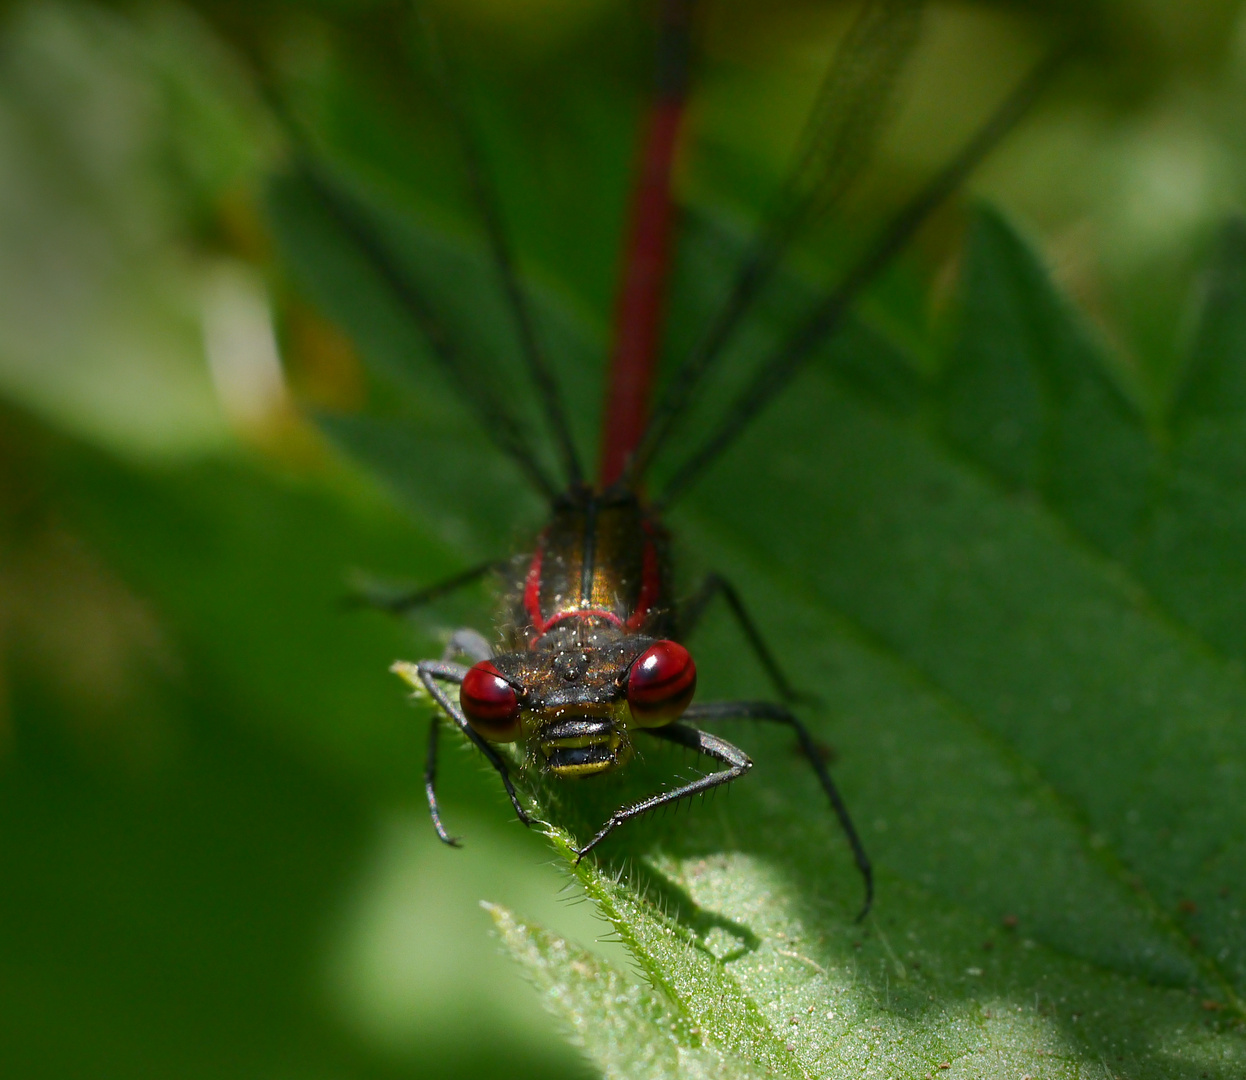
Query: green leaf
[794,994]
[999,585]
[1194,554]
[1027,393]
[623,1027]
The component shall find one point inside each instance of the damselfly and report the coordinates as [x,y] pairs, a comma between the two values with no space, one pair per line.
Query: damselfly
[590,658]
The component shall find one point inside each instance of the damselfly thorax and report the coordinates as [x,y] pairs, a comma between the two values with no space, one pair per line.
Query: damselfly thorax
[587,659]
[590,657]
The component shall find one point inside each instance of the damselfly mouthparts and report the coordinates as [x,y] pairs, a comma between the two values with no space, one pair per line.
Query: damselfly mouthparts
[590,660]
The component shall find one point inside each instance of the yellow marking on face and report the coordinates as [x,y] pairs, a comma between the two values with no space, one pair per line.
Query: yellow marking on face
[587,769]
[622,755]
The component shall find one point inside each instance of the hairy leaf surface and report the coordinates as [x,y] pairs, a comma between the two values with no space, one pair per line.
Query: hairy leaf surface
[1019,603]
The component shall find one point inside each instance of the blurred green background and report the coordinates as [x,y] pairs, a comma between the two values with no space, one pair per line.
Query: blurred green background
[214,856]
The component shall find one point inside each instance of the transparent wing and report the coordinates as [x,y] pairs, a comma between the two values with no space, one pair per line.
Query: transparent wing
[468,377]
[488,206]
[776,370]
[848,115]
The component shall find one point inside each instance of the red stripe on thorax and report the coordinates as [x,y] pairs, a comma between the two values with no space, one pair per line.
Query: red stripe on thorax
[582,613]
[532,599]
[649,595]
[532,589]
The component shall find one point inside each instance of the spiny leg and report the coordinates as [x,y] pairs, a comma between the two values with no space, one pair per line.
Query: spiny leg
[736,760]
[714,585]
[466,642]
[397,601]
[779,714]
[431,674]
[430,784]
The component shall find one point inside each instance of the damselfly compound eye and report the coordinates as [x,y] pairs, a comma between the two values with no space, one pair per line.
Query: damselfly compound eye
[490,703]
[661,684]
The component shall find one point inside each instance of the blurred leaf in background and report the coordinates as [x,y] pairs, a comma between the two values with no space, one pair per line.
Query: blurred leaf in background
[999,536]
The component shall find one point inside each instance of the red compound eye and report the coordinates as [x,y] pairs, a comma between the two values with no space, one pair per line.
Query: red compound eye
[661,684]
[490,704]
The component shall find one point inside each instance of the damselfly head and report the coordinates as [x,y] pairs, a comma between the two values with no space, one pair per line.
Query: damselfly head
[576,715]
[575,707]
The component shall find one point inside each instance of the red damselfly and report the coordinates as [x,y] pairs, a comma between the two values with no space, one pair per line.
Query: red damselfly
[590,656]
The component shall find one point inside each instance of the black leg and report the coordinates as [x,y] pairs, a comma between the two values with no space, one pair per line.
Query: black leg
[431,674]
[736,760]
[430,784]
[398,601]
[715,585]
[469,643]
[767,710]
